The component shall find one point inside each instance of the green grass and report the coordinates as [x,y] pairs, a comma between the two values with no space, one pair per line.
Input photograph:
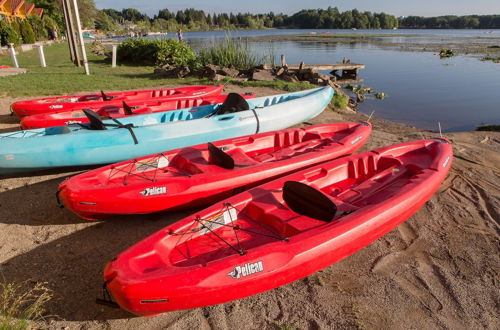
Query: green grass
[276,84]
[62,77]
[19,305]
[340,101]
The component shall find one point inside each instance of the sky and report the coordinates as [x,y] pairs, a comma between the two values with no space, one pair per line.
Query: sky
[394,7]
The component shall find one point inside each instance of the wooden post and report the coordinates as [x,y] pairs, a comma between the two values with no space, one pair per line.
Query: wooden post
[68,36]
[113,60]
[71,33]
[41,54]
[80,34]
[283,60]
[13,55]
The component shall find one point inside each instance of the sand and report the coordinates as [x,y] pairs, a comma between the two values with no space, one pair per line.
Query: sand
[437,270]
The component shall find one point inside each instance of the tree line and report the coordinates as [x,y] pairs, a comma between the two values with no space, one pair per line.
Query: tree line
[192,19]
[451,22]
[111,20]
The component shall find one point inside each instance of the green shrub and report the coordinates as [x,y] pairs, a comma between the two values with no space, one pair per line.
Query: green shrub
[156,52]
[8,35]
[340,100]
[232,52]
[50,26]
[27,33]
[38,26]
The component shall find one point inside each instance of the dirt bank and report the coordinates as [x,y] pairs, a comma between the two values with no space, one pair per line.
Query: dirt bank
[437,270]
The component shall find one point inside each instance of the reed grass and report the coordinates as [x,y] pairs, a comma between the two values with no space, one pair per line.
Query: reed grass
[21,303]
[233,52]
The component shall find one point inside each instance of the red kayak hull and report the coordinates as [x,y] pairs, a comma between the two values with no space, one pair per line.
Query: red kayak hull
[186,178]
[95,101]
[117,111]
[199,261]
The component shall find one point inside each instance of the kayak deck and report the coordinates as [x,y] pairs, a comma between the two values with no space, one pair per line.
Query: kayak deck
[266,218]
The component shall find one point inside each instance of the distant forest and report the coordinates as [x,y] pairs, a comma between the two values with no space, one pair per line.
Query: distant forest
[191,19]
[451,22]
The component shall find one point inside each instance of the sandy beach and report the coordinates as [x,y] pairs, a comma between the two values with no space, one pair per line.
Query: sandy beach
[437,270]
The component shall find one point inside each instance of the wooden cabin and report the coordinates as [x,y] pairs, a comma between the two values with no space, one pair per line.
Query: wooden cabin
[18,9]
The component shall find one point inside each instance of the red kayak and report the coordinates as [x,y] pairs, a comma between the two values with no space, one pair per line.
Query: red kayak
[205,174]
[278,232]
[78,102]
[120,111]
[4,66]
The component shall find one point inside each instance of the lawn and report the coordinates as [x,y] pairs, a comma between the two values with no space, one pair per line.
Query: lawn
[62,77]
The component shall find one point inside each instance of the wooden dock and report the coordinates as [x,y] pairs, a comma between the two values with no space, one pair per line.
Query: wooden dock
[331,67]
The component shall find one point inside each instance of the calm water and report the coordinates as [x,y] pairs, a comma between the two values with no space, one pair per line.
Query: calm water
[461,92]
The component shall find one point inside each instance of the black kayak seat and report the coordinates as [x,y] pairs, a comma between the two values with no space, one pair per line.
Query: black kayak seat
[307,201]
[219,157]
[127,109]
[234,103]
[95,120]
[106,97]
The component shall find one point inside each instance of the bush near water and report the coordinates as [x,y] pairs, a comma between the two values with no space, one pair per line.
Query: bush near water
[156,52]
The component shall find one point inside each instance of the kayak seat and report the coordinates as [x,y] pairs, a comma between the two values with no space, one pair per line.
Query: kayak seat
[95,120]
[237,158]
[307,201]
[272,214]
[242,159]
[290,151]
[233,103]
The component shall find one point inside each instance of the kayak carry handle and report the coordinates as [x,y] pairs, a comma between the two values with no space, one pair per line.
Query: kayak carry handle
[58,200]
[105,302]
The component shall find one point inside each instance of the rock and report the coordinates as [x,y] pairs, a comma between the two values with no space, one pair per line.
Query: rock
[263,75]
[323,76]
[308,73]
[317,81]
[179,72]
[280,71]
[200,73]
[212,67]
[289,77]
[263,67]
[229,72]
[218,77]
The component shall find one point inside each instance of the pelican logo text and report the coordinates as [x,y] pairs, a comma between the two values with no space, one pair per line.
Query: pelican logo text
[72,122]
[154,191]
[246,270]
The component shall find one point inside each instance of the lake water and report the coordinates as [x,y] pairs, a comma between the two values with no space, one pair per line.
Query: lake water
[461,92]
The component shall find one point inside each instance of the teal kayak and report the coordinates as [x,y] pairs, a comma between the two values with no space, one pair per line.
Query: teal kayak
[108,141]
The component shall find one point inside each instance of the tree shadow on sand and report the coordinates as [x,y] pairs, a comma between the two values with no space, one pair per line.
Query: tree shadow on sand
[72,265]
[35,205]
